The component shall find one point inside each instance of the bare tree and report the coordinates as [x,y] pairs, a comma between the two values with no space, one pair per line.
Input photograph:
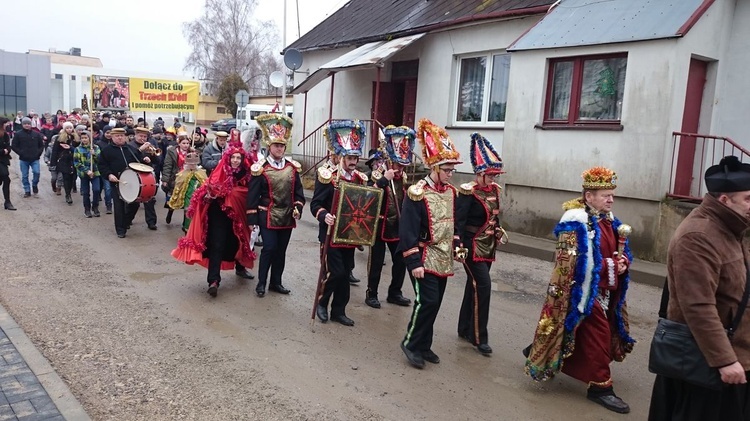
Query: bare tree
[227,39]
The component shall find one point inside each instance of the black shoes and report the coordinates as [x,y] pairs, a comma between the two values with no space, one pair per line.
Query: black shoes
[484,349]
[372,299]
[243,273]
[611,402]
[27,194]
[35,189]
[121,235]
[430,357]
[95,210]
[213,289]
[352,279]
[68,199]
[169,216]
[322,313]
[526,351]
[278,288]
[9,206]
[152,227]
[260,289]
[87,213]
[343,320]
[415,358]
[109,210]
[399,300]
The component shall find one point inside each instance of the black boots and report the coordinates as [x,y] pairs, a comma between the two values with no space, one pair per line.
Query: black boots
[169,216]
[68,199]
[95,210]
[9,206]
[87,212]
[371,299]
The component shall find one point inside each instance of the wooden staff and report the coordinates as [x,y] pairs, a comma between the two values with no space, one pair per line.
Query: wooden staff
[323,274]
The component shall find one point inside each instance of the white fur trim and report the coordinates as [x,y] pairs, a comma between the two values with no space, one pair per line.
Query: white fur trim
[575,215]
[581,216]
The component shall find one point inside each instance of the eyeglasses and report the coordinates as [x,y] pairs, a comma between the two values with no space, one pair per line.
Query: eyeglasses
[448,170]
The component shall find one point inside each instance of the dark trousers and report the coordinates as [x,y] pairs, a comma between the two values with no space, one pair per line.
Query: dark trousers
[90,185]
[5,181]
[69,181]
[428,297]
[149,209]
[124,212]
[676,400]
[475,308]
[339,266]
[221,244]
[273,254]
[375,268]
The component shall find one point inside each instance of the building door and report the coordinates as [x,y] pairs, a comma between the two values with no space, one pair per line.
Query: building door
[389,105]
[410,103]
[690,124]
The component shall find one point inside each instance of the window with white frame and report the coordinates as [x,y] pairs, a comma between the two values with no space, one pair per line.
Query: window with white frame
[482,91]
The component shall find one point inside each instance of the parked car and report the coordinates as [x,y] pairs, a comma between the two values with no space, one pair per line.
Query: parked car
[231,123]
[216,124]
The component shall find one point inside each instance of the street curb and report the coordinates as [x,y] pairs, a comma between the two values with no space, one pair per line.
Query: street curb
[641,271]
[56,388]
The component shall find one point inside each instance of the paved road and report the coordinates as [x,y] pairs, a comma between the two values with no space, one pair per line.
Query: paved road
[135,335]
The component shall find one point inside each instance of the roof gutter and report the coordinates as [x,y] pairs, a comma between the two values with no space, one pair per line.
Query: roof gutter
[437,26]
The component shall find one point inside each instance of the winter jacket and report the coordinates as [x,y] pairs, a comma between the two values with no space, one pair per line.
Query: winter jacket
[211,156]
[82,160]
[28,145]
[706,272]
[171,166]
[5,149]
[62,159]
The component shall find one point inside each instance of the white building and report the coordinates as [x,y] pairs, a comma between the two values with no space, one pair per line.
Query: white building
[585,83]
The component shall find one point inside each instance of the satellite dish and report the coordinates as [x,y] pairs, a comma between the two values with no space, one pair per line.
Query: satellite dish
[277,79]
[293,59]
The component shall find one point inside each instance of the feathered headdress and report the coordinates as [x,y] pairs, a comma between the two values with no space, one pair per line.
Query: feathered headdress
[483,156]
[345,137]
[399,143]
[437,147]
[276,128]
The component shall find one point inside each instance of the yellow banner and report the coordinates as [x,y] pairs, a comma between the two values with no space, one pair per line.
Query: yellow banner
[163,95]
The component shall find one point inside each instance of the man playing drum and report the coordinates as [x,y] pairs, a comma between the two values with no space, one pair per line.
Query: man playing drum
[114,159]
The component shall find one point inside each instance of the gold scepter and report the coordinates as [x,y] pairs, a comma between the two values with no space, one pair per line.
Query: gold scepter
[623,232]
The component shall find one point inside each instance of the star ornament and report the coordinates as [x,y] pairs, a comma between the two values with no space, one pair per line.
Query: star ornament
[359,217]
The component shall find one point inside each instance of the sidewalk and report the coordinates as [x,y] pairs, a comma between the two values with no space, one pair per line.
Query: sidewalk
[29,387]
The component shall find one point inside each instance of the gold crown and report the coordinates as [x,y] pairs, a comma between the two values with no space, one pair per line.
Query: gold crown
[599,178]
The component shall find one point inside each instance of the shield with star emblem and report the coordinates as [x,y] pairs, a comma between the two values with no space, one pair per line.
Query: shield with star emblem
[357,214]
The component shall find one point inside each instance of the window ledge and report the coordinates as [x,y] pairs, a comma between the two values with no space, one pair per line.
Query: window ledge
[474,127]
[594,127]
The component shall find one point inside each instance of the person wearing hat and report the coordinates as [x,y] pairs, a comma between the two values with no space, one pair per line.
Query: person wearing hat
[274,200]
[212,152]
[397,146]
[428,242]
[29,146]
[61,158]
[113,160]
[345,139]
[583,325]
[106,187]
[707,275]
[148,150]
[85,159]
[478,225]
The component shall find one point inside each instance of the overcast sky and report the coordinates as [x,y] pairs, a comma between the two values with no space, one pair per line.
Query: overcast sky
[143,35]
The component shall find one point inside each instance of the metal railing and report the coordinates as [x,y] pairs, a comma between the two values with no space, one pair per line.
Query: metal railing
[692,153]
[315,150]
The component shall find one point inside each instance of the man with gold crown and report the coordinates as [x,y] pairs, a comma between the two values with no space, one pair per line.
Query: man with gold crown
[345,139]
[274,200]
[397,147]
[478,225]
[583,325]
[428,241]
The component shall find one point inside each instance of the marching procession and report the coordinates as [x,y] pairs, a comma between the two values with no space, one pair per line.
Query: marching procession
[231,197]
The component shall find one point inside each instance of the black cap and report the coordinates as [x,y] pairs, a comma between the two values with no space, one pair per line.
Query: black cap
[373,154]
[157,130]
[730,175]
[106,114]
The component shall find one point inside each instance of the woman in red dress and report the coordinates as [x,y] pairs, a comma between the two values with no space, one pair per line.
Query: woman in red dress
[218,238]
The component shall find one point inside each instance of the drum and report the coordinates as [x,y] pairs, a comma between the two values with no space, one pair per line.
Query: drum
[136,186]
[137,166]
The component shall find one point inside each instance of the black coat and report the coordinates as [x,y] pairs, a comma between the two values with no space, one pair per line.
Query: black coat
[5,149]
[115,159]
[62,159]
[28,145]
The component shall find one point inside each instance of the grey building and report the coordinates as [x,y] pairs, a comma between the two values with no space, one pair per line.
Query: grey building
[24,83]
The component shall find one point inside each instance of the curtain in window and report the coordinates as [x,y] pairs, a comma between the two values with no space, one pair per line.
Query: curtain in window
[499,87]
[471,89]
[562,75]
[602,89]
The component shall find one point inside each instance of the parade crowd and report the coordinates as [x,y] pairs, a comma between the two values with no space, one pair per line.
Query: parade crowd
[231,195]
